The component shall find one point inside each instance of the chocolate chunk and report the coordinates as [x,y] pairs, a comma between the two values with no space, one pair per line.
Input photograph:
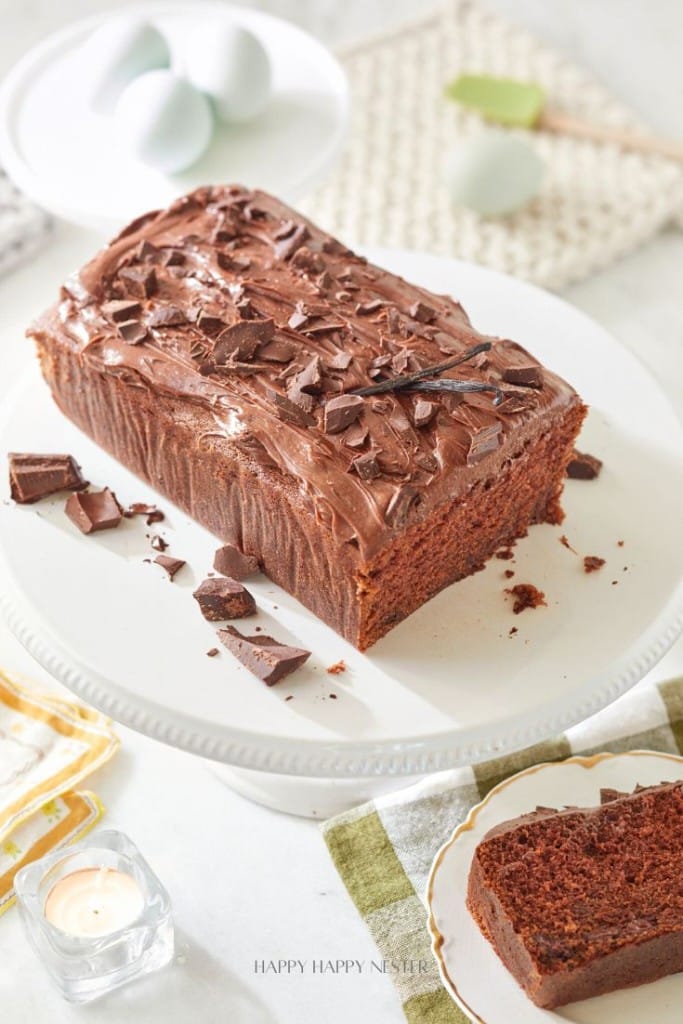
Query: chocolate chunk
[341,412]
[300,398]
[516,401]
[380,361]
[310,379]
[483,441]
[141,508]
[367,308]
[33,476]
[146,251]
[421,312]
[94,510]
[278,351]
[297,320]
[424,412]
[174,258]
[324,281]
[356,435]
[340,361]
[286,247]
[400,505]
[171,565]
[230,561]
[366,466]
[399,362]
[334,248]
[212,652]
[592,563]
[426,461]
[235,264]
[141,281]
[166,316]
[291,411]
[222,598]
[210,325]
[524,376]
[245,309]
[308,260]
[158,543]
[241,340]
[583,466]
[265,657]
[287,228]
[119,310]
[133,331]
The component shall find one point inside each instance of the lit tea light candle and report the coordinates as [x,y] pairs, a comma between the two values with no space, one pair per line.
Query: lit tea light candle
[94,902]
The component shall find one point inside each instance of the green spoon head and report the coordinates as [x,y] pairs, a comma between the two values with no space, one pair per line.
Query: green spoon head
[503,100]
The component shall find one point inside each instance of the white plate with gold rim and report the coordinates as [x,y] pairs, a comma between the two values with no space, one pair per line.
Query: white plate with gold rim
[470,969]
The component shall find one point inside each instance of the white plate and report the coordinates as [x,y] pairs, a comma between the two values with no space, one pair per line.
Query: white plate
[447,686]
[65,156]
[470,970]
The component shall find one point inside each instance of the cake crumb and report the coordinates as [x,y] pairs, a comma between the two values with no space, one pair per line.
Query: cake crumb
[290,697]
[620,543]
[337,668]
[526,595]
[212,652]
[333,696]
[565,543]
[509,573]
[512,631]
[615,582]
[505,553]
[591,563]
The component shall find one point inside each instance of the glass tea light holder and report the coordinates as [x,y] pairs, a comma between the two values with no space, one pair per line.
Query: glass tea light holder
[96,915]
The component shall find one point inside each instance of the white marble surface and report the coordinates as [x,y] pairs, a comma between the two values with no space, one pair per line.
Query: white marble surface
[249,884]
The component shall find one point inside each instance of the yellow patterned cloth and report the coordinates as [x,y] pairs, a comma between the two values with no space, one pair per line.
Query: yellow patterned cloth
[47,746]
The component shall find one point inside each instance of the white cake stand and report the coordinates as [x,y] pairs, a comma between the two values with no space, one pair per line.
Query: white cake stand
[448,686]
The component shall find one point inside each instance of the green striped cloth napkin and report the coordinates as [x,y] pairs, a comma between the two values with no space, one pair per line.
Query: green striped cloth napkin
[384,849]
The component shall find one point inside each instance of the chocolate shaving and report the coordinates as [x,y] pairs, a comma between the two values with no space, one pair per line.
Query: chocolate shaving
[278,351]
[210,325]
[287,246]
[33,476]
[421,312]
[263,656]
[424,412]
[310,378]
[119,310]
[158,543]
[524,376]
[287,228]
[368,308]
[166,316]
[236,264]
[230,561]
[356,435]
[340,361]
[171,565]
[290,411]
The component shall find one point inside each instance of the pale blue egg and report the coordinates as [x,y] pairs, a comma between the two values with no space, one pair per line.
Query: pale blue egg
[116,53]
[494,173]
[230,64]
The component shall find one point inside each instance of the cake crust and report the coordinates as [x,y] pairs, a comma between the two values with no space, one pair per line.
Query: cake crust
[211,346]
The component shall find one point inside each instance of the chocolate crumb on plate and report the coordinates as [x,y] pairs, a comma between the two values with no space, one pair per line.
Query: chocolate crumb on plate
[565,544]
[591,563]
[33,476]
[171,565]
[339,666]
[91,511]
[222,598]
[266,658]
[158,543]
[230,561]
[512,631]
[526,595]
[141,508]
[333,696]
[505,554]
[212,652]
[508,574]
[583,466]
[620,543]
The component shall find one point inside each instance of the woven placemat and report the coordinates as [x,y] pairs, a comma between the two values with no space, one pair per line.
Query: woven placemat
[596,204]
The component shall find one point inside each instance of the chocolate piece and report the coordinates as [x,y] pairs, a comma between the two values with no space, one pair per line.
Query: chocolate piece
[287,246]
[141,508]
[483,441]
[292,410]
[297,320]
[367,466]
[243,339]
[223,598]
[133,331]
[424,412]
[166,316]
[94,510]
[287,228]
[210,325]
[591,563]
[212,652]
[421,312]
[230,561]
[265,657]
[278,351]
[236,264]
[356,435]
[309,380]
[140,281]
[341,412]
[335,670]
[340,361]
[158,543]
[526,595]
[119,310]
[174,258]
[583,466]
[524,376]
[368,308]
[34,476]
[171,565]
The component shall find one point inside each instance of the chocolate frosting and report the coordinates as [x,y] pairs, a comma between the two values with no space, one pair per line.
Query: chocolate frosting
[234,303]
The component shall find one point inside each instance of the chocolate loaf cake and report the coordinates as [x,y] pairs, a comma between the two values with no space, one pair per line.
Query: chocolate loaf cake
[579,902]
[254,370]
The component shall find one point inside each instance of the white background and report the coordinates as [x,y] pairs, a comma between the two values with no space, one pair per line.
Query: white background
[247,883]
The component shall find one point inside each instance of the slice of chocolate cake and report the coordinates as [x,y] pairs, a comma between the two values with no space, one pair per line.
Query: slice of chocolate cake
[350,431]
[579,902]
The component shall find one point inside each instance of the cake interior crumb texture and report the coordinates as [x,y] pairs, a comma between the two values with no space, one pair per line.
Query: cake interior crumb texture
[578,903]
[208,347]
